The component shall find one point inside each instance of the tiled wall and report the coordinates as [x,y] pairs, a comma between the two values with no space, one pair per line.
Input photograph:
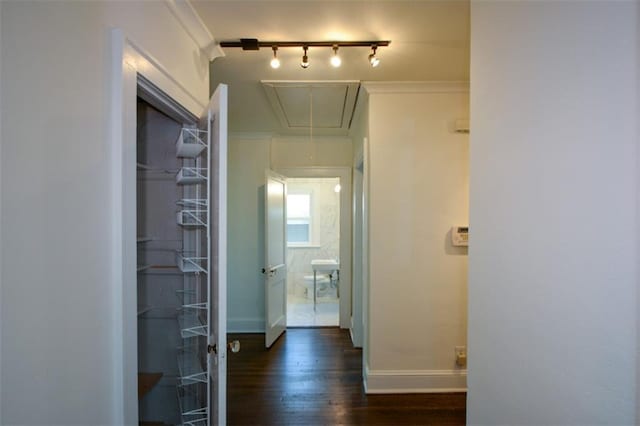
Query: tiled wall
[326,216]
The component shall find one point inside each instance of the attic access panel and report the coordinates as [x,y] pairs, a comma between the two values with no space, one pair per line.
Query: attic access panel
[332,103]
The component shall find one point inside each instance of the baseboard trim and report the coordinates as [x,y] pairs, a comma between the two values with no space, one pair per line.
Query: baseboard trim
[245,325]
[415,381]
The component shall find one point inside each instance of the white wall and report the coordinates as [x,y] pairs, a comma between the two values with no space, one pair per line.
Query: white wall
[417,280]
[57,304]
[554,231]
[298,151]
[248,158]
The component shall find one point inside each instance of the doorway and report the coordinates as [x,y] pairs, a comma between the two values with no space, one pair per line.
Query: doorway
[313,252]
[332,291]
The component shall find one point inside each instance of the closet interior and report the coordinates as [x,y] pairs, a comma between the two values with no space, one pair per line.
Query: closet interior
[172,210]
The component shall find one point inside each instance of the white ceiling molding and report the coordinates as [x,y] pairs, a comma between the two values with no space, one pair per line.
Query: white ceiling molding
[195,27]
[305,138]
[416,86]
[332,103]
[251,136]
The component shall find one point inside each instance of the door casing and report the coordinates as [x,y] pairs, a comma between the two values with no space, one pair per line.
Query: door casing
[129,61]
[344,173]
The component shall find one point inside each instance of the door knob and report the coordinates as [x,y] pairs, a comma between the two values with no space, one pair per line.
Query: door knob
[234,346]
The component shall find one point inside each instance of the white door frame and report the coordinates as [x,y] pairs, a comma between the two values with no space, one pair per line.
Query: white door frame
[128,59]
[216,117]
[358,249]
[365,260]
[344,173]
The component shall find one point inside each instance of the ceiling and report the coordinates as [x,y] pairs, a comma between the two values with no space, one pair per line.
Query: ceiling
[429,41]
[326,106]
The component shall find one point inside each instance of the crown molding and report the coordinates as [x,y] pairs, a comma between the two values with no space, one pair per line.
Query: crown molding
[195,27]
[251,136]
[416,86]
[316,138]
[279,137]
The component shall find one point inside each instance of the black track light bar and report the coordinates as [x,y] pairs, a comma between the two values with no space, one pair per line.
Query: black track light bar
[255,44]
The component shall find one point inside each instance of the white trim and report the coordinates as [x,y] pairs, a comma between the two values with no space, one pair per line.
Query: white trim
[195,27]
[358,157]
[416,86]
[344,173]
[365,254]
[146,64]
[128,59]
[305,139]
[217,119]
[286,137]
[303,246]
[357,223]
[251,135]
[305,83]
[125,412]
[414,381]
[245,325]
[1,422]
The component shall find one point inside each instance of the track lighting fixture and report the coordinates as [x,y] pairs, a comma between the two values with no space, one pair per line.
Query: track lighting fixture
[305,59]
[255,44]
[335,59]
[275,62]
[373,60]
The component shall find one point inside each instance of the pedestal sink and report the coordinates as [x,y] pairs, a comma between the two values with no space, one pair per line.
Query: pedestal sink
[324,266]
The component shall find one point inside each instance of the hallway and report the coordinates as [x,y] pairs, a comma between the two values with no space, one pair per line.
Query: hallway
[313,377]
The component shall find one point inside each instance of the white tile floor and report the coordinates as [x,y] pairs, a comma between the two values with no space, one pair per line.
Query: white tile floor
[300,311]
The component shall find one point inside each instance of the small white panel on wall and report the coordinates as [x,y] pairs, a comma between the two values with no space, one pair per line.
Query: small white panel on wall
[460,236]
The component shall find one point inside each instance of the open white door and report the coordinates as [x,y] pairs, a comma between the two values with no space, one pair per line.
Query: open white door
[275,270]
[216,116]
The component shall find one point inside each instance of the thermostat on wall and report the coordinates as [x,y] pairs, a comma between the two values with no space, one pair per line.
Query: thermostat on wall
[460,236]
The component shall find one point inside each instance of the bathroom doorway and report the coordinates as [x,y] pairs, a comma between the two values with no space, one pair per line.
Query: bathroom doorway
[331,253]
[313,251]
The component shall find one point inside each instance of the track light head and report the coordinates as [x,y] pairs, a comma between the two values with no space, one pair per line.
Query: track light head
[305,59]
[275,62]
[335,59]
[373,59]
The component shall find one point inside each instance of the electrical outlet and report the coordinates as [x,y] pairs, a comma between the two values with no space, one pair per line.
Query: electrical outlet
[461,355]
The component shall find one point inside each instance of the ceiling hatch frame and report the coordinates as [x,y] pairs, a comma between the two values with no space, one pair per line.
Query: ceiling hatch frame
[340,105]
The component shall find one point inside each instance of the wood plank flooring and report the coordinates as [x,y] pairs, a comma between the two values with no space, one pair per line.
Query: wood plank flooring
[314,377]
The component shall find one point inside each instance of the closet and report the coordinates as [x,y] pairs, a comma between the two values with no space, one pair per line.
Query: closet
[172,213]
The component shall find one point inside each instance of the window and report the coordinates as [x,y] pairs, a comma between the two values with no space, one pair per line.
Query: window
[299,219]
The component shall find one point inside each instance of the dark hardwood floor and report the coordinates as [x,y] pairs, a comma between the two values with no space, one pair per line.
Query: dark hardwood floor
[314,377]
